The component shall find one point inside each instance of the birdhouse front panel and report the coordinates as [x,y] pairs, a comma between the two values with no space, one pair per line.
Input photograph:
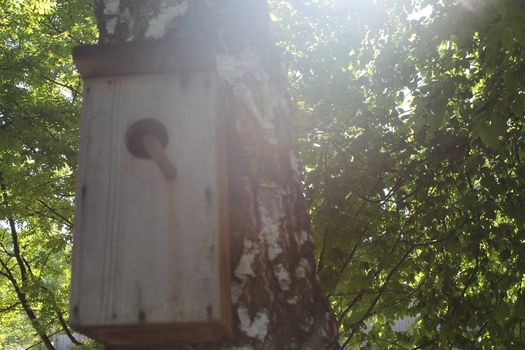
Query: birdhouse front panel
[150,260]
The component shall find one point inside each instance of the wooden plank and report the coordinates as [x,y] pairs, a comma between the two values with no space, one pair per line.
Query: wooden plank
[174,55]
[150,253]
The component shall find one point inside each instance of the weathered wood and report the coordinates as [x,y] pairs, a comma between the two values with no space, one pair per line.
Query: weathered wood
[150,262]
[146,57]
[156,152]
[277,301]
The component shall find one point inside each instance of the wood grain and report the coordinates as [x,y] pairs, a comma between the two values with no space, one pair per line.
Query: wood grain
[145,57]
[151,253]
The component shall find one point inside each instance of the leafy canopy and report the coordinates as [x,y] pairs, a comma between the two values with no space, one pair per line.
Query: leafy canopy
[412,138]
[411,118]
[39,101]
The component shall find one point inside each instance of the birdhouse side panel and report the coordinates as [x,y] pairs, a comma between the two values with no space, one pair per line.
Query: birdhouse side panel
[149,250]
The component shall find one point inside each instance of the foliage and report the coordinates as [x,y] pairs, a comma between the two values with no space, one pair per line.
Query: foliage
[39,101]
[89,345]
[412,136]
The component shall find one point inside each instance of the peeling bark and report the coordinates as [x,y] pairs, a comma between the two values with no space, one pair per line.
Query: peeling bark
[277,299]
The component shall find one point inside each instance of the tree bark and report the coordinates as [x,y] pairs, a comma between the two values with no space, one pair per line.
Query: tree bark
[278,302]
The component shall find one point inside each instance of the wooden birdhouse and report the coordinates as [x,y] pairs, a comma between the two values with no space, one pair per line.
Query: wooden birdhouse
[150,257]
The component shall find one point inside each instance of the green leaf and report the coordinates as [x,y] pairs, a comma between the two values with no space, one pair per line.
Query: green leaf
[501,313]
[519,32]
[507,38]
[489,138]
[329,279]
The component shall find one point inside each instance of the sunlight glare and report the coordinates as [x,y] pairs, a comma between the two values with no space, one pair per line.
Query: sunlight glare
[421,13]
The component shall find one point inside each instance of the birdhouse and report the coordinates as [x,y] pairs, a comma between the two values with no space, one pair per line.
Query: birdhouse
[150,256]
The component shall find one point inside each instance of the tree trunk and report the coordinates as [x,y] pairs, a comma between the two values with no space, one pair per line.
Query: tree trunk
[278,302]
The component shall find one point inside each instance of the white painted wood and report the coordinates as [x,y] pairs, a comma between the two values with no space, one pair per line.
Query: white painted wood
[147,250]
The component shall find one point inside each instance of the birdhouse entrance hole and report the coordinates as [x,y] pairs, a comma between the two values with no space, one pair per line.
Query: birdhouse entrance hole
[137,133]
[148,138]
